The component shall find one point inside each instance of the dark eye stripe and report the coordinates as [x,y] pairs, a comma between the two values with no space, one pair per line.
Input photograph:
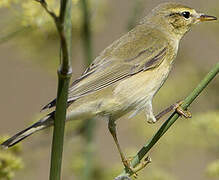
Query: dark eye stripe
[185,14]
[173,14]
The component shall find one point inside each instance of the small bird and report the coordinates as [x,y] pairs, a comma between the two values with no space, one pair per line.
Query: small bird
[127,74]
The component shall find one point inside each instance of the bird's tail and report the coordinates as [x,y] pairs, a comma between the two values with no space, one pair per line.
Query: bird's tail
[41,124]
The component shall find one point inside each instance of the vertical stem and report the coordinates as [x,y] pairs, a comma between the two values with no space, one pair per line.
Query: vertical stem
[64,74]
[90,123]
[86,34]
[137,10]
[58,132]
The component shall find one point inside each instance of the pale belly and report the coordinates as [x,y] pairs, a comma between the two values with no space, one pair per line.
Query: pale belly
[134,92]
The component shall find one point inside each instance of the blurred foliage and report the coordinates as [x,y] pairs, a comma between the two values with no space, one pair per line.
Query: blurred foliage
[99,172]
[9,161]
[31,14]
[35,30]
[158,174]
[205,126]
[7,3]
[213,169]
[35,34]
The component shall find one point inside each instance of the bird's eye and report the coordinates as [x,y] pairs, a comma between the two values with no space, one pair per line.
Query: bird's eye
[186,14]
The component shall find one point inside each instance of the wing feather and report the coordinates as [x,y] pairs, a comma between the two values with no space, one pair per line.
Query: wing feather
[108,68]
[112,74]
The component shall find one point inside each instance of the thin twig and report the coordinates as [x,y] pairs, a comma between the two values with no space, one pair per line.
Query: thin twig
[45,6]
[172,119]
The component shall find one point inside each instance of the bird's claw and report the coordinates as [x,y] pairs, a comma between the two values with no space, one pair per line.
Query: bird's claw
[128,167]
[180,111]
[140,166]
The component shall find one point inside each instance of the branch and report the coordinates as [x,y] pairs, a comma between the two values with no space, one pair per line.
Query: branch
[172,119]
[50,12]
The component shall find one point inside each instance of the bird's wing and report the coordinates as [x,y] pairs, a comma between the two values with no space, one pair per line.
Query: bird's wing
[109,69]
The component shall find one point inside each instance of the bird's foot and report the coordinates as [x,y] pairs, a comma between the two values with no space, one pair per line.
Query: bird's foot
[129,168]
[180,111]
[140,166]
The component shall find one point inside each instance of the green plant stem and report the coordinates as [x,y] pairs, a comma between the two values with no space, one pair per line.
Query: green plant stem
[86,32]
[138,7]
[90,123]
[172,119]
[63,23]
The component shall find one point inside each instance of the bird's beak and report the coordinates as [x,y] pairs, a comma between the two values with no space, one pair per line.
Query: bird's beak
[204,17]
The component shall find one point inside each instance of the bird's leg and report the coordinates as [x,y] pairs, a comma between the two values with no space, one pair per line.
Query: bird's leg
[112,129]
[177,108]
[165,111]
[126,162]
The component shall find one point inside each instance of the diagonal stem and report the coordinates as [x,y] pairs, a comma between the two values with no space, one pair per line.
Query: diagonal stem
[172,119]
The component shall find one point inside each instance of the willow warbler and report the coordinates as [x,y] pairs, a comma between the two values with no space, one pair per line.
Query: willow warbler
[128,73]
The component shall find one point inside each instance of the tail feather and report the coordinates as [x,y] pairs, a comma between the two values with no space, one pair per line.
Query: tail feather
[41,124]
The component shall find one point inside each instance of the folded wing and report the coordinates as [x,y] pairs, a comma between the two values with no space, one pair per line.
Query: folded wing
[108,68]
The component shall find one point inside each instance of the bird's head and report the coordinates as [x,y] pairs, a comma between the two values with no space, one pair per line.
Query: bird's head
[176,19]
